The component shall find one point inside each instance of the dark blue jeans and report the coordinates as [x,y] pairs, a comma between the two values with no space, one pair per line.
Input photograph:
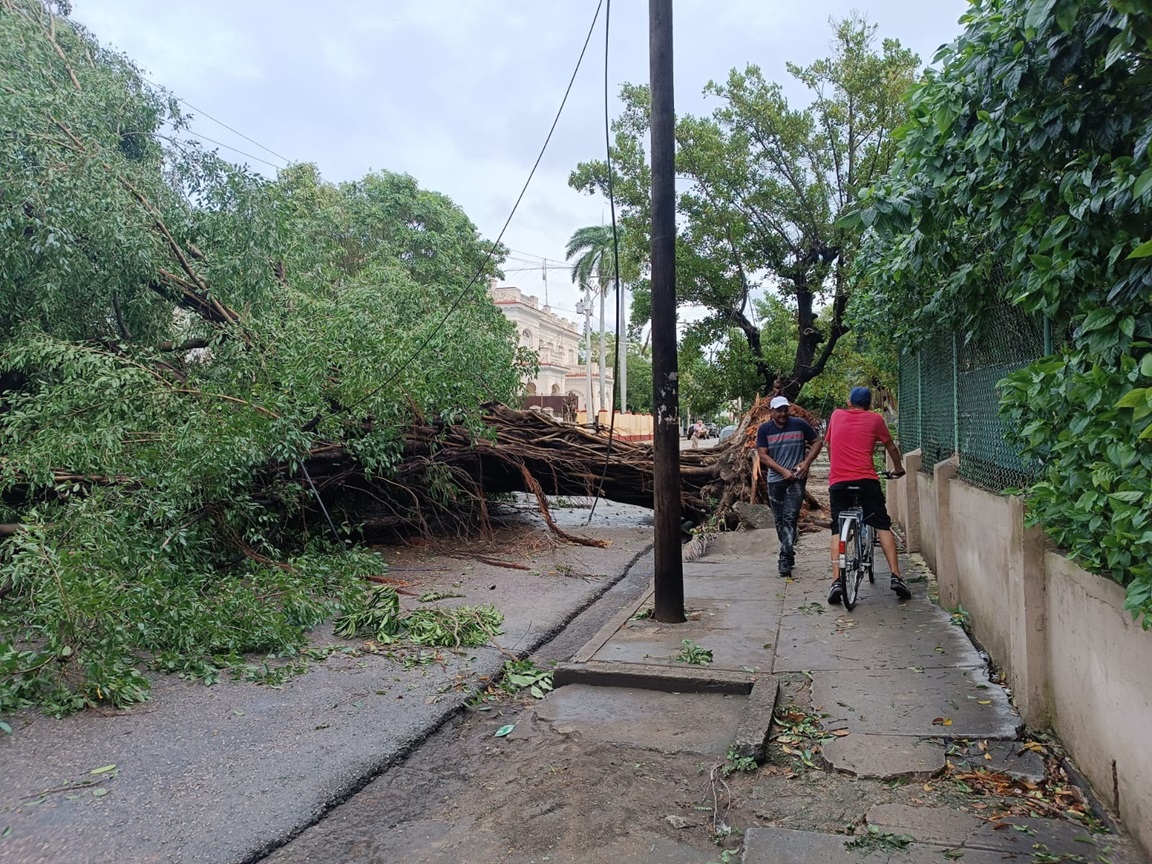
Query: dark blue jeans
[786,497]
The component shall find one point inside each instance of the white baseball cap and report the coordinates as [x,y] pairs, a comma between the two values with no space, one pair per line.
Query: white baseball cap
[778,402]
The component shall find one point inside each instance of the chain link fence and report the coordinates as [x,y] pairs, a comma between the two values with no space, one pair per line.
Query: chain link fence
[949,402]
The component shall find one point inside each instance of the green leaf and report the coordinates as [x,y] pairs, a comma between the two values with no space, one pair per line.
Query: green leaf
[1146,365]
[1097,319]
[1144,250]
[1128,497]
[104,769]
[99,792]
[1143,184]
[5,728]
[1037,11]
[1133,398]
[1066,12]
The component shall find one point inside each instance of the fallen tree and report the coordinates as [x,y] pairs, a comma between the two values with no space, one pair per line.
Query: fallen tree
[528,451]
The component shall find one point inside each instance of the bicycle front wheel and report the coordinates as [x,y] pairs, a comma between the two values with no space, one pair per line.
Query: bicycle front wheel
[850,569]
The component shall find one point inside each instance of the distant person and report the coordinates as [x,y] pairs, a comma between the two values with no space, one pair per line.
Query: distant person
[698,432]
[853,434]
[787,447]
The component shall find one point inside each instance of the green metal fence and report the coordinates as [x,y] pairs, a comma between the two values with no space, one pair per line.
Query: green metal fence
[949,403]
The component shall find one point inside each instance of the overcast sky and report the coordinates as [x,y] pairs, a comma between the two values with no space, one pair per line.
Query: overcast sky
[461,93]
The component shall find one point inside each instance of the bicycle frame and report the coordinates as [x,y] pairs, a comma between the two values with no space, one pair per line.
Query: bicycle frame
[855,552]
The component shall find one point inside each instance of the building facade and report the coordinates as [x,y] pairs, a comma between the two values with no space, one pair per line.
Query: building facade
[558,345]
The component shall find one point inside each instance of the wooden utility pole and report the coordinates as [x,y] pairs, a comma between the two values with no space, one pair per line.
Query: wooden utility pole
[665,386]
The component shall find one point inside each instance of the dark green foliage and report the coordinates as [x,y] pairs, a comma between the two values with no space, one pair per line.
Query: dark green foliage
[1024,177]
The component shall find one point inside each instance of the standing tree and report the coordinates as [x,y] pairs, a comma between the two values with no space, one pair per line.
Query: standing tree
[593,248]
[766,186]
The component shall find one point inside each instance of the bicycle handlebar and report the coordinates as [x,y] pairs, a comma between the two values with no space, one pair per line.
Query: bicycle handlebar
[893,475]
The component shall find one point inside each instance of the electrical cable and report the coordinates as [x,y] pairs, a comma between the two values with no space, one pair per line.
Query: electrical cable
[315,421]
[221,123]
[320,501]
[176,140]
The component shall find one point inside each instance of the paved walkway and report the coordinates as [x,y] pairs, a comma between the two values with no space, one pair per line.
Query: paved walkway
[896,682]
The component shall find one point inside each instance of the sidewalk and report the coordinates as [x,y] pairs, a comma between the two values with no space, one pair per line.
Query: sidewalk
[898,687]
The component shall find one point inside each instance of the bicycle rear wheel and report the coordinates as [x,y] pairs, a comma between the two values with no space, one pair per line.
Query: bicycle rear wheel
[850,569]
[870,555]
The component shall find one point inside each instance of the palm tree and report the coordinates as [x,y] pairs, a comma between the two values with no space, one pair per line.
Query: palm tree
[592,247]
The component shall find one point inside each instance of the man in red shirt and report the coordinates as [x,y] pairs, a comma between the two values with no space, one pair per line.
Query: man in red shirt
[852,436]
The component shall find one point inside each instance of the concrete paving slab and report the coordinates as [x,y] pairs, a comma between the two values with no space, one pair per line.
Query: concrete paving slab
[1030,836]
[953,703]
[815,636]
[731,586]
[654,643]
[429,842]
[681,678]
[926,824]
[752,733]
[702,723]
[753,615]
[742,545]
[885,757]
[1004,757]
[783,846]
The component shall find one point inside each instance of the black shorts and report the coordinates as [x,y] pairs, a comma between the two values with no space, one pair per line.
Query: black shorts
[871,498]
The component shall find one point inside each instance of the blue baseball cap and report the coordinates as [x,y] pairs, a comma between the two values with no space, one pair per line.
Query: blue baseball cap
[860,397]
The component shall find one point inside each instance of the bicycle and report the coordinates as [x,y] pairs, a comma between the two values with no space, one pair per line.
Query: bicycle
[857,546]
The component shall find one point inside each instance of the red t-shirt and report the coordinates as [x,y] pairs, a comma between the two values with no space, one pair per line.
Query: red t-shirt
[851,440]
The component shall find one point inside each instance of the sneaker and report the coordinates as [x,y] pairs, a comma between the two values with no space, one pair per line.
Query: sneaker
[900,588]
[836,594]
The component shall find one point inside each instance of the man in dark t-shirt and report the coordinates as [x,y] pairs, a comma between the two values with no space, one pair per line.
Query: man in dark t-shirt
[786,446]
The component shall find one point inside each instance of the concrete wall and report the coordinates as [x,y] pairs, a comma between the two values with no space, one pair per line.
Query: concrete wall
[1073,657]
[927,501]
[1101,689]
[982,583]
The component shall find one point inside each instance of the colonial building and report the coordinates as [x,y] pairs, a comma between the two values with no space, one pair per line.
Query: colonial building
[557,344]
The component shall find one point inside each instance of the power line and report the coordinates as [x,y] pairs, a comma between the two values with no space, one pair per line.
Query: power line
[175,140]
[225,125]
[530,255]
[496,243]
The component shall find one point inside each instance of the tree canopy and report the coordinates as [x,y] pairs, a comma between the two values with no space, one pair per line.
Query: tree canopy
[1024,177]
[178,336]
[764,186]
